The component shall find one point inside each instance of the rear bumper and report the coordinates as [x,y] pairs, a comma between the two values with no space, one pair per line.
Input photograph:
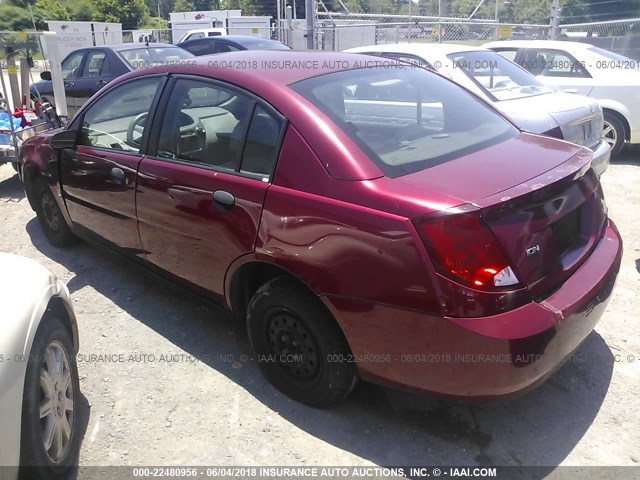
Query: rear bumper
[481,358]
[601,157]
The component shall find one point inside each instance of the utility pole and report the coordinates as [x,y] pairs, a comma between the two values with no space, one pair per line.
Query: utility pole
[555,19]
[310,14]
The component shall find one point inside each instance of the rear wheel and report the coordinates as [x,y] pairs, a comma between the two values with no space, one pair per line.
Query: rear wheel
[300,348]
[614,132]
[50,217]
[49,440]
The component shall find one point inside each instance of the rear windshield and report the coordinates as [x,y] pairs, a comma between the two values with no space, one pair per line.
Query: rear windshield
[146,57]
[264,44]
[619,60]
[405,119]
[500,78]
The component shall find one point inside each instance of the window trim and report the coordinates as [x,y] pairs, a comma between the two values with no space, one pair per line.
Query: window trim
[76,124]
[156,127]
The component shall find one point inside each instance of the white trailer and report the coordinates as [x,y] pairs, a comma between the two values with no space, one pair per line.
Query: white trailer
[257,26]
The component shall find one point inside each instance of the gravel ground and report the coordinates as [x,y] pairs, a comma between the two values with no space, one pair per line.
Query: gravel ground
[180,387]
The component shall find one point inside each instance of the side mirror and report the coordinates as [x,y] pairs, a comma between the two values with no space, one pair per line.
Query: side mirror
[64,139]
[45,75]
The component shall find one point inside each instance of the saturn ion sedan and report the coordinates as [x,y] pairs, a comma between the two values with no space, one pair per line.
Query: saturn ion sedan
[38,373]
[363,218]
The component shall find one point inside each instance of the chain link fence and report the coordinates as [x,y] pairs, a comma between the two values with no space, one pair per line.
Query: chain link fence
[336,32]
[619,36]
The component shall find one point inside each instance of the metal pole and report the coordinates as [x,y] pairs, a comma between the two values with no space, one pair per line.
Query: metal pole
[310,14]
[496,17]
[289,27]
[555,19]
[279,20]
[439,21]
[295,15]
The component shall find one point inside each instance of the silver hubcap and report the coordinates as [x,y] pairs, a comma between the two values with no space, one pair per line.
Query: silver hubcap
[610,134]
[56,402]
[49,211]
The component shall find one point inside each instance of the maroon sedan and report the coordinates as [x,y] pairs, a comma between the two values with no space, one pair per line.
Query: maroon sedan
[364,219]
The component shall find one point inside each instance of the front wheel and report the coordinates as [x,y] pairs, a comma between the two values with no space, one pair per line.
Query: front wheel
[300,348]
[50,217]
[49,440]
[614,133]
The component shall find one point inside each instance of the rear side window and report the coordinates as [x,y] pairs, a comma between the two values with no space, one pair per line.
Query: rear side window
[405,119]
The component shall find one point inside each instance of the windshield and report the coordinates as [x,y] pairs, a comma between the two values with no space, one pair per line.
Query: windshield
[406,120]
[497,76]
[146,57]
[621,60]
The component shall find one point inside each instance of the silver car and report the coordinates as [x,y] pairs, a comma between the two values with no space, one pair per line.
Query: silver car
[515,92]
[39,391]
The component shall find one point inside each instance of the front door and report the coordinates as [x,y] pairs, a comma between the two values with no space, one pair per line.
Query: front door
[200,196]
[99,177]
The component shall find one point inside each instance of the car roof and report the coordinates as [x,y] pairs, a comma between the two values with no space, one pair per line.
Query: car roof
[434,48]
[232,38]
[130,46]
[556,44]
[265,66]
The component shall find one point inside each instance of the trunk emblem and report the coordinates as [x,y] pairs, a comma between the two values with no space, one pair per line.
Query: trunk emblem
[532,250]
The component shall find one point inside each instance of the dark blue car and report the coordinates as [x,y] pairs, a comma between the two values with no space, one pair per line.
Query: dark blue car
[230,43]
[87,70]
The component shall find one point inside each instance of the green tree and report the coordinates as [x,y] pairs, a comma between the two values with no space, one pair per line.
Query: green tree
[131,13]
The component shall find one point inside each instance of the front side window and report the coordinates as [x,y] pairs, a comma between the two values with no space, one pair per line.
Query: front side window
[194,36]
[497,76]
[71,65]
[405,120]
[199,48]
[118,119]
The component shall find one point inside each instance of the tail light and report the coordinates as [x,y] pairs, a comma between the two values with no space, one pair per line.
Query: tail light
[464,249]
[554,132]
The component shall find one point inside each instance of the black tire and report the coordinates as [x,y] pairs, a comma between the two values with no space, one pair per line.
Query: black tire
[614,132]
[50,217]
[300,348]
[35,461]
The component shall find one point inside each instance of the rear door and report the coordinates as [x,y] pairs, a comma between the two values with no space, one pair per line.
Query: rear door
[200,194]
[557,68]
[99,176]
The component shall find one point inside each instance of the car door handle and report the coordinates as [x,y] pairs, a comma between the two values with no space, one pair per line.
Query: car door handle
[117,175]
[225,199]
[101,83]
[69,84]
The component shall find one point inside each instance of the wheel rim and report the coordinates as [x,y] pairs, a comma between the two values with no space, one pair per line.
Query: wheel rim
[610,134]
[56,402]
[50,212]
[293,346]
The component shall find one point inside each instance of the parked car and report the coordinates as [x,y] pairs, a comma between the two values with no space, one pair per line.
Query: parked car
[230,43]
[612,79]
[427,244]
[202,33]
[512,90]
[87,70]
[38,373]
